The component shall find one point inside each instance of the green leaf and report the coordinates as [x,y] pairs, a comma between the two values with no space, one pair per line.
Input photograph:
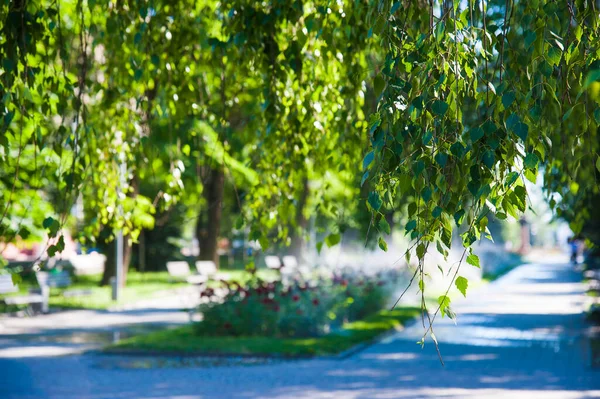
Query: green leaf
[427,137]
[384,226]
[458,150]
[439,107]
[511,178]
[264,243]
[597,115]
[530,37]
[522,130]
[383,244]
[489,127]
[375,200]
[8,64]
[488,159]
[426,194]
[368,159]
[462,284]
[492,88]
[16,278]
[473,260]
[530,175]
[598,164]
[508,98]
[364,178]
[568,113]
[512,121]
[319,247]
[554,56]
[458,217]
[476,134]
[411,225]
[444,302]
[52,225]
[395,7]
[378,85]
[574,187]
[441,159]
[591,77]
[333,239]
[437,211]
[421,251]
[374,122]
[531,161]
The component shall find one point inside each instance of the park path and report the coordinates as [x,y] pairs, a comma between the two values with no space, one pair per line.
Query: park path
[519,337]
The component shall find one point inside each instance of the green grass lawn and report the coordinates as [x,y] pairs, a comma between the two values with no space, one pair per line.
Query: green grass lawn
[139,286]
[185,340]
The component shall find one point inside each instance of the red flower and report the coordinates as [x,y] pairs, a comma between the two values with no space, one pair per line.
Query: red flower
[227,325]
[315,301]
[295,298]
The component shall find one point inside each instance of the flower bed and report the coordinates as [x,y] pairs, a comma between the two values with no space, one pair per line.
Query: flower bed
[294,308]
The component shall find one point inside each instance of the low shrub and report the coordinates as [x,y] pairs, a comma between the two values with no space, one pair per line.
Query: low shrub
[298,307]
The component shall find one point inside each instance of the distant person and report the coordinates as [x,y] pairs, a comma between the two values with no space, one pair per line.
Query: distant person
[576,246]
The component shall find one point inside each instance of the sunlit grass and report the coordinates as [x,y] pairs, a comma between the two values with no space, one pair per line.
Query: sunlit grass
[186,340]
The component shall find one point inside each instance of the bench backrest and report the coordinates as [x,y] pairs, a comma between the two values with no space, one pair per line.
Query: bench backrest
[6,284]
[206,267]
[88,264]
[290,262]
[272,262]
[48,279]
[178,268]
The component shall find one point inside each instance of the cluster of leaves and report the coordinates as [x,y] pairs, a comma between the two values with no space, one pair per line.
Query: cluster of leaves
[302,307]
[97,99]
[475,98]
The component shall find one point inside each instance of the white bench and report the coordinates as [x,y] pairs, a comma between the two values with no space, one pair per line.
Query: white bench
[180,270]
[290,262]
[88,264]
[209,269]
[273,262]
[8,287]
[62,279]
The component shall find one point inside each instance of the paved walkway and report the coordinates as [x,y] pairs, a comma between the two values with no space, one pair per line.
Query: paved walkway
[520,337]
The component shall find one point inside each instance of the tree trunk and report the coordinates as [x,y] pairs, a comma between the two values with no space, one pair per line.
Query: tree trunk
[209,221]
[297,239]
[110,267]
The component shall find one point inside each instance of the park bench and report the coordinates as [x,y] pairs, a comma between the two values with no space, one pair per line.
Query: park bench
[209,269]
[8,287]
[180,270]
[87,264]
[61,279]
[290,262]
[273,262]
